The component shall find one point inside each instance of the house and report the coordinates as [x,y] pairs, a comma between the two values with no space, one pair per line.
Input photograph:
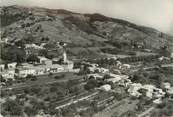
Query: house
[153,92]
[125,82]
[113,80]
[68,66]
[92,69]
[116,71]
[133,90]
[8,74]
[170,91]
[44,60]
[118,64]
[164,59]
[105,87]
[125,66]
[2,67]
[56,68]
[171,55]
[157,101]
[12,65]
[116,78]
[95,76]
[24,72]
[103,70]
[29,69]
[167,85]
[34,46]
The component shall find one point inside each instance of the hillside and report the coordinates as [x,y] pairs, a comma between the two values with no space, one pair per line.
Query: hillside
[86,34]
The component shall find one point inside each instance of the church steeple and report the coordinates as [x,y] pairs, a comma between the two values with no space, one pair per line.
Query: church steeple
[64,57]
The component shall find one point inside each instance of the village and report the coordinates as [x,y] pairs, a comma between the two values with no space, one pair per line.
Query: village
[86,59]
[105,87]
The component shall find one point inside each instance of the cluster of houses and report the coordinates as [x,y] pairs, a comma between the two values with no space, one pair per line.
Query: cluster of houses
[150,91]
[8,71]
[45,66]
[134,89]
[99,73]
[33,48]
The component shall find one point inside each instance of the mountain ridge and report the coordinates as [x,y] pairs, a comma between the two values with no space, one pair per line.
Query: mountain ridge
[83,31]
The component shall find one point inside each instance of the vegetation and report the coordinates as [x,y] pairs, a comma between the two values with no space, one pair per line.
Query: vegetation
[59,76]
[13,54]
[11,107]
[32,58]
[39,98]
[91,84]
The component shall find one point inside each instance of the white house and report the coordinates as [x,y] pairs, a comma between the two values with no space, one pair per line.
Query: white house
[125,66]
[41,69]
[116,78]
[8,74]
[167,85]
[44,60]
[157,101]
[34,46]
[103,70]
[170,91]
[171,55]
[133,90]
[95,76]
[106,87]
[23,72]
[12,65]
[68,66]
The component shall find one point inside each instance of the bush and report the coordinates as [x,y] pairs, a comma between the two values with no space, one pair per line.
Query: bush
[30,111]
[91,84]
[32,58]
[34,78]
[12,107]
[13,54]
[59,76]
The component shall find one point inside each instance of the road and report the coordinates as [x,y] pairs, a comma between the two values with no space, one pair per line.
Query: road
[73,101]
[167,65]
[152,67]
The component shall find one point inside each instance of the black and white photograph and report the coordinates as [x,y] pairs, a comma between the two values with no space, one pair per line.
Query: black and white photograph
[86,58]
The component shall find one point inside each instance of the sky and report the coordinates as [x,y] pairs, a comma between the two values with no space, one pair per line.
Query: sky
[152,13]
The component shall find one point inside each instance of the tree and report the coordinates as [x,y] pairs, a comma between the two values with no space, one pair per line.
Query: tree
[164,51]
[107,76]
[30,111]
[91,84]
[53,88]
[13,54]
[76,89]
[2,79]
[43,52]
[12,107]
[37,106]
[32,58]
[59,76]
[35,90]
